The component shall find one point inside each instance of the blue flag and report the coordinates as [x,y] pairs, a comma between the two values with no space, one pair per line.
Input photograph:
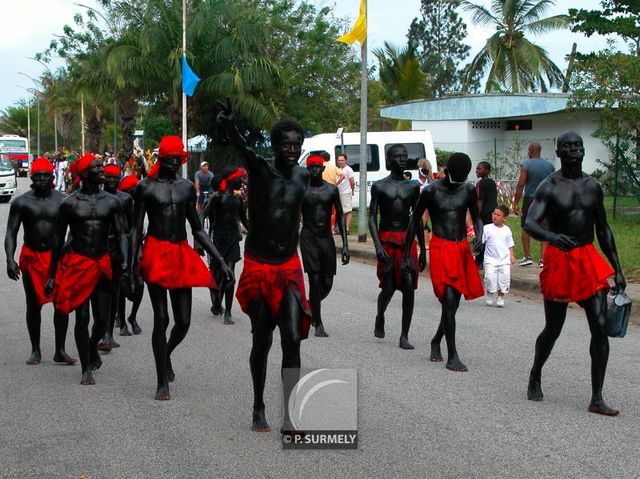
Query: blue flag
[189,79]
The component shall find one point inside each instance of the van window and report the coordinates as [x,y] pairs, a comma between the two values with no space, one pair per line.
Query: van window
[353,156]
[415,152]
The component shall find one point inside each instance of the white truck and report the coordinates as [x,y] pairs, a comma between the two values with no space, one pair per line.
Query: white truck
[418,143]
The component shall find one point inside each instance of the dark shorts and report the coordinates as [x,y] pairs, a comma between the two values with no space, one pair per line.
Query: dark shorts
[204,194]
[526,204]
[318,253]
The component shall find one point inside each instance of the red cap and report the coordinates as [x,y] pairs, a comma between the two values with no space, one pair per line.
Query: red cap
[41,165]
[172,146]
[315,160]
[128,182]
[112,169]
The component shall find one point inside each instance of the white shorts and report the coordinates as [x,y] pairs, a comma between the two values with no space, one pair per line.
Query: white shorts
[345,200]
[497,277]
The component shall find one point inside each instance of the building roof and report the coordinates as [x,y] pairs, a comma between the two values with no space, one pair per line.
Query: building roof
[477,107]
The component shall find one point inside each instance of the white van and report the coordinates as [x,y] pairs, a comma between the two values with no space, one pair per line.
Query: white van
[418,143]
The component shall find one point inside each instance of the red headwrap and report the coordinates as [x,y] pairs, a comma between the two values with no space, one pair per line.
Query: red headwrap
[112,169]
[315,160]
[41,165]
[128,182]
[233,176]
[172,146]
[84,162]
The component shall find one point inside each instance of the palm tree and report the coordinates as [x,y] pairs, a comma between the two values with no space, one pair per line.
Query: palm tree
[13,119]
[514,63]
[401,75]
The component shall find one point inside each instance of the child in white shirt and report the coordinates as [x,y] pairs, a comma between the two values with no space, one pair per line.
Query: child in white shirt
[498,257]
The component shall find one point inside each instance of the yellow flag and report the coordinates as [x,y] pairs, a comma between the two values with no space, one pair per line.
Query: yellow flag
[359,30]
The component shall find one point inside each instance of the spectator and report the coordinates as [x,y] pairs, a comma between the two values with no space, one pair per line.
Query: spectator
[346,185]
[532,172]
[203,179]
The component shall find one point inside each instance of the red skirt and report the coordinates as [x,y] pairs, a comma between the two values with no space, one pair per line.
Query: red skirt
[393,244]
[173,265]
[76,279]
[268,283]
[451,264]
[573,275]
[36,265]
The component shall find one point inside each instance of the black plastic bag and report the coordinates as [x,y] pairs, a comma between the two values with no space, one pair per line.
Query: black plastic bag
[618,312]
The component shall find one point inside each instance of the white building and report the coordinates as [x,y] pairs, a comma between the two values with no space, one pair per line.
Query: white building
[481,124]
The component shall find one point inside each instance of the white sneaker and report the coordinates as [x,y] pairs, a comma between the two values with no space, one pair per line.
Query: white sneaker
[526,261]
[489,298]
[500,302]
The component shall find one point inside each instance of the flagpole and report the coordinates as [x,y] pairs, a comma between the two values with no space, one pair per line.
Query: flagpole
[184,95]
[362,208]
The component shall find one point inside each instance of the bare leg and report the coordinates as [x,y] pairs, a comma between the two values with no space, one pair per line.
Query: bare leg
[595,309]
[526,244]
[101,307]
[436,353]
[137,299]
[554,316]
[158,298]
[290,318]
[228,297]
[108,343]
[450,304]
[386,293]
[181,306]
[262,340]
[33,320]
[408,297]
[81,332]
[319,287]
[61,325]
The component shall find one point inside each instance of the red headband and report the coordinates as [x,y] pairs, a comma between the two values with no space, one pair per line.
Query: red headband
[41,165]
[315,160]
[112,169]
[233,176]
[128,182]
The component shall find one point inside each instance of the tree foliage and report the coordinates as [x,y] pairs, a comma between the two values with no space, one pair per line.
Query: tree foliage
[512,62]
[439,38]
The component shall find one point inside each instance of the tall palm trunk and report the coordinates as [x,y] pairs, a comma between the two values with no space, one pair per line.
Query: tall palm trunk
[127,110]
[65,127]
[94,126]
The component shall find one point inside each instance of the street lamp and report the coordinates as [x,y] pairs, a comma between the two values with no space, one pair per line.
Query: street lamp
[37,94]
[55,114]
[28,116]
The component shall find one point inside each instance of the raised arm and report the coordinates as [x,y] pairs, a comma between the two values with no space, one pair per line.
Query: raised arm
[227,119]
[13,226]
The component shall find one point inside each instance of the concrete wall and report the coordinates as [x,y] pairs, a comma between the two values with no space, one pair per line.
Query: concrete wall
[478,137]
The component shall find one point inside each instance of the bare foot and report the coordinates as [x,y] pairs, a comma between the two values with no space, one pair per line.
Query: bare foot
[63,357]
[110,341]
[135,327]
[534,391]
[104,347]
[405,344]
[162,394]
[320,332]
[95,362]
[436,354]
[259,423]
[378,330]
[600,407]
[227,318]
[454,364]
[35,358]
[124,330]
[87,379]
[216,310]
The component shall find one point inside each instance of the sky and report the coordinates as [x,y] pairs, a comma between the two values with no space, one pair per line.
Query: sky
[33,23]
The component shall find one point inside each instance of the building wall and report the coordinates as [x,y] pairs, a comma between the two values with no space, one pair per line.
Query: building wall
[479,137]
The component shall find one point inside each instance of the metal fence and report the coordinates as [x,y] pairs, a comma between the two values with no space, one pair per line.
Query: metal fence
[621,179]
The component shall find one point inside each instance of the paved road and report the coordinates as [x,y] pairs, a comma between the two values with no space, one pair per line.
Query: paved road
[416,419]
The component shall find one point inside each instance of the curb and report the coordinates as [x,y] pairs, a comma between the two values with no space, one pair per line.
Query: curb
[528,289]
